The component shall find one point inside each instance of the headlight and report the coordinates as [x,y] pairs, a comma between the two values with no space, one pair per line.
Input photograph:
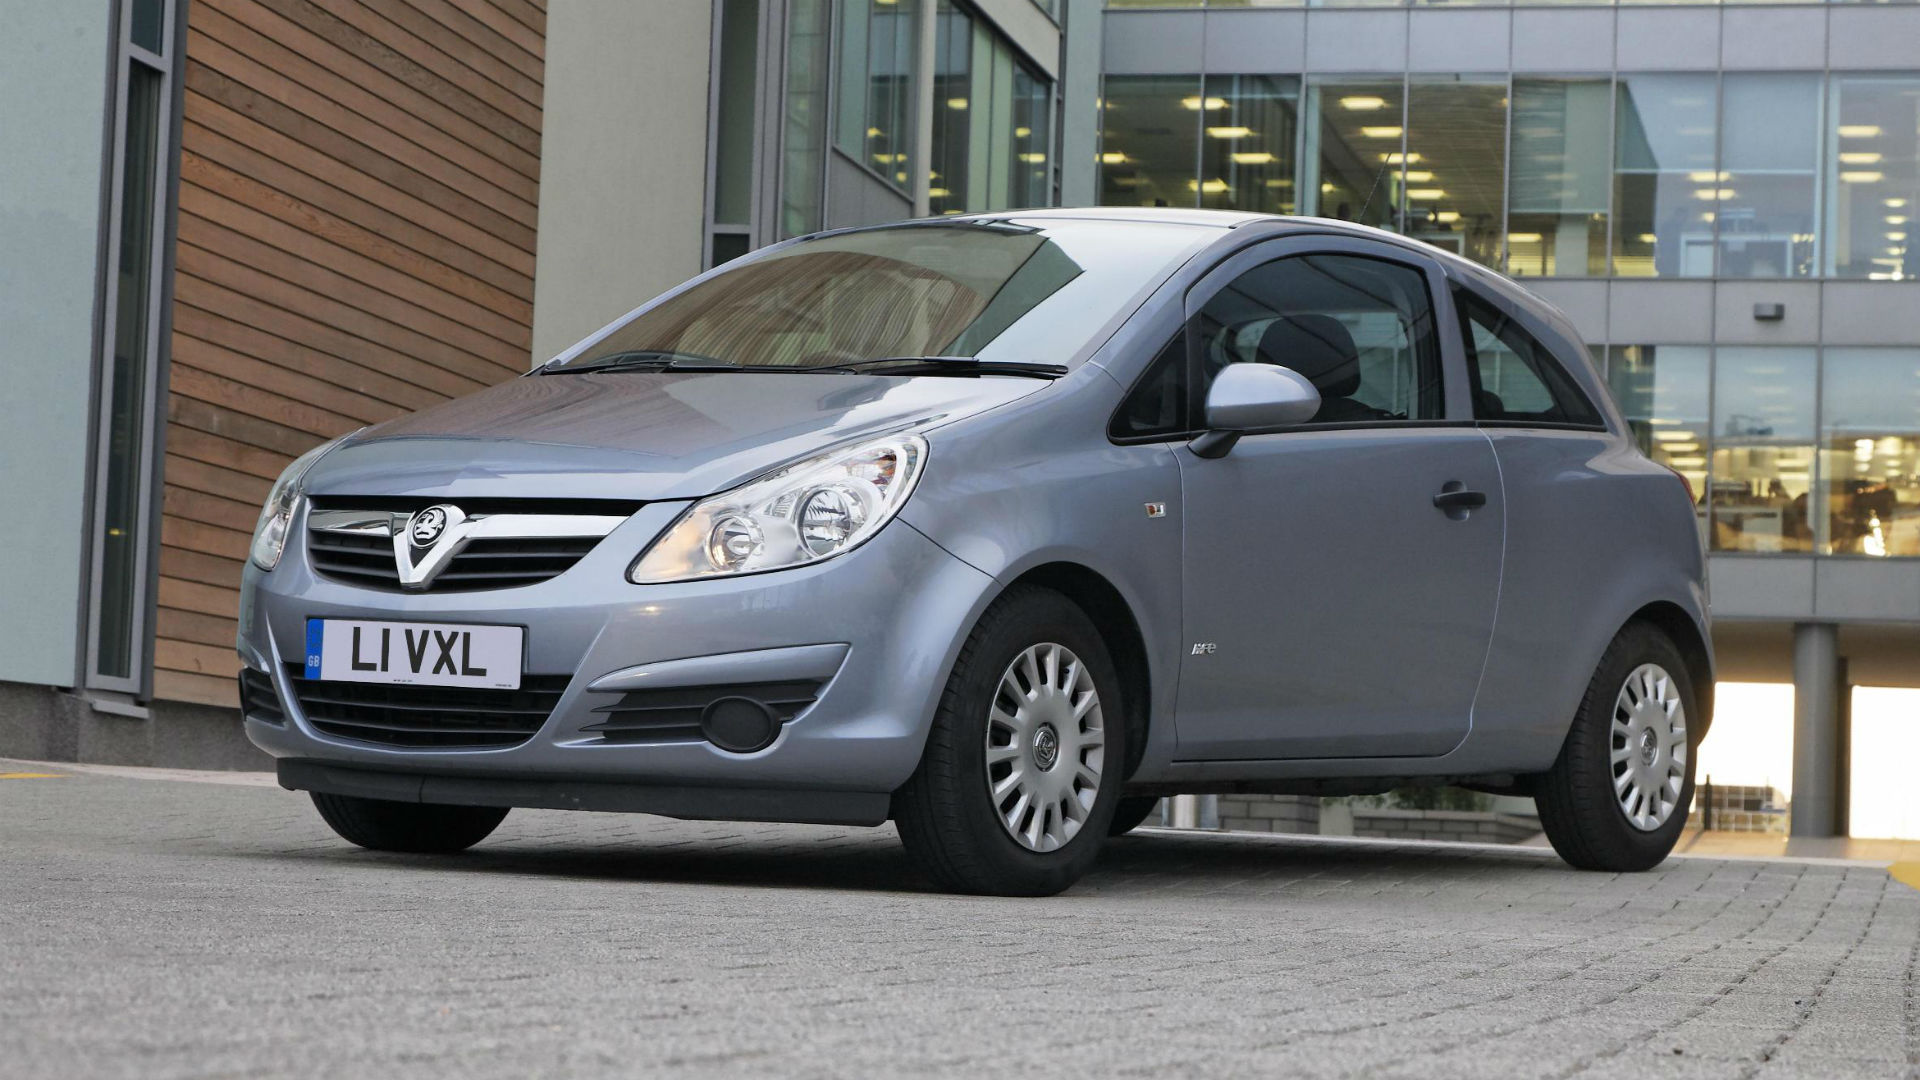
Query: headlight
[270,534]
[803,513]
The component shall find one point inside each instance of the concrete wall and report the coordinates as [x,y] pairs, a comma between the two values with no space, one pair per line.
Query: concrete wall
[54,74]
[623,168]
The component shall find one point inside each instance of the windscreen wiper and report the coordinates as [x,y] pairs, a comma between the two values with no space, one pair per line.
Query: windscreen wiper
[646,360]
[946,365]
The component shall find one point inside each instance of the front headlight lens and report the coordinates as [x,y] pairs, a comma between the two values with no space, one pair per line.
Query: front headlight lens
[276,518]
[802,513]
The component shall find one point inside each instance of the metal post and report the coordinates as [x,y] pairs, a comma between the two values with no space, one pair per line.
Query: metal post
[1186,811]
[1816,729]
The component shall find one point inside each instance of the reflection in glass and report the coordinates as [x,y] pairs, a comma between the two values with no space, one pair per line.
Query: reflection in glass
[876,86]
[1769,144]
[1355,147]
[1253,172]
[1873,176]
[1870,451]
[1666,186]
[1662,391]
[1030,164]
[808,68]
[1150,139]
[1763,435]
[1456,183]
[1557,209]
[953,108]
[120,526]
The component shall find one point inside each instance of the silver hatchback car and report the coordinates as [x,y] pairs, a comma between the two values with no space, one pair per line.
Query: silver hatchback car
[1000,527]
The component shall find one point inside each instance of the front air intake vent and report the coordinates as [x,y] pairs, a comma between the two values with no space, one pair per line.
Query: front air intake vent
[742,717]
[427,716]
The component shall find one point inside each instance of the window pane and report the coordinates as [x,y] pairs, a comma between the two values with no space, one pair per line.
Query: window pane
[876,86]
[122,530]
[1352,161]
[1662,391]
[1557,212]
[953,109]
[1032,159]
[733,125]
[1769,142]
[806,116]
[1456,190]
[1254,172]
[1663,161]
[1873,176]
[146,28]
[1158,403]
[1514,377]
[1870,451]
[1149,140]
[1360,329]
[1762,449]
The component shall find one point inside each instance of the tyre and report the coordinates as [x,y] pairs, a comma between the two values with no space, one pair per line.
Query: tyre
[419,828]
[1131,813]
[1021,774]
[1616,798]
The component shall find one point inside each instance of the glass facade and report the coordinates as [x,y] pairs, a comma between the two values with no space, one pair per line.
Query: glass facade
[875,122]
[1745,175]
[992,121]
[1761,470]
[1869,467]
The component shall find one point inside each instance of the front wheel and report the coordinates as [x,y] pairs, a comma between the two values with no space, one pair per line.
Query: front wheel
[1021,774]
[1616,798]
[417,828]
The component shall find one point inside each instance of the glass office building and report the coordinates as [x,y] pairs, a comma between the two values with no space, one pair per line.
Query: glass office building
[1720,196]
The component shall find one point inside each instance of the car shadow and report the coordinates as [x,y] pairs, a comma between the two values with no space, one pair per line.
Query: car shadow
[803,857]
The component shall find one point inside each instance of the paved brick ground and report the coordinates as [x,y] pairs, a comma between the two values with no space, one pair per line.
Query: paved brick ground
[162,928]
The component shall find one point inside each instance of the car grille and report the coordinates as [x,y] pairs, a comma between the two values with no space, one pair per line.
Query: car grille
[427,716]
[675,714]
[364,556]
[258,701]
[483,564]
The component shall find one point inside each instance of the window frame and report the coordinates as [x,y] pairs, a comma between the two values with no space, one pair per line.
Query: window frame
[1463,293]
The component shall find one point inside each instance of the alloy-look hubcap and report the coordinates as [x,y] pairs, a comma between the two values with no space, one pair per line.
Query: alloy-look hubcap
[1046,744]
[1648,747]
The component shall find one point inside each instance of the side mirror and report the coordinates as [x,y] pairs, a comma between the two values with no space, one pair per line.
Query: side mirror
[1249,399]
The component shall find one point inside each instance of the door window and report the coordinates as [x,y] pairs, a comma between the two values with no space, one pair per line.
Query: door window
[1361,329]
[1515,379]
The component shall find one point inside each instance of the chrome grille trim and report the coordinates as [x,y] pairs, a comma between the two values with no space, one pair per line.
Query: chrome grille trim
[492,551]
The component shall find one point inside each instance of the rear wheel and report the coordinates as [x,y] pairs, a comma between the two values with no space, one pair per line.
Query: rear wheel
[1020,777]
[418,828]
[1617,797]
[1132,813]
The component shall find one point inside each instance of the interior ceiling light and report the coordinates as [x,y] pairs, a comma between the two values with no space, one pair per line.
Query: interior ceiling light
[1859,131]
[1196,103]
[1896,203]
[1524,237]
[1363,102]
[1113,157]
[1400,159]
[1708,177]
[1229,132]
[1418,176]
[1252,157]
[1381,132]
[1211,187]
[1426,194]
[1859,157]
[1446,217]
[1861,177]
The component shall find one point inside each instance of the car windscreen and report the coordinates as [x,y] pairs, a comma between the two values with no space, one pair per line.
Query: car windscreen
[1007,291]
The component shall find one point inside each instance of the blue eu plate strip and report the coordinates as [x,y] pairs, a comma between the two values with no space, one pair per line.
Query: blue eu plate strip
[314,629]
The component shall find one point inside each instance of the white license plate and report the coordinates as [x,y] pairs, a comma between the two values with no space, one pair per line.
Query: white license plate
[415,654]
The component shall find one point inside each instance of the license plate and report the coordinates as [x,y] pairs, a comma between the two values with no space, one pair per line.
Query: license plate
[415,654]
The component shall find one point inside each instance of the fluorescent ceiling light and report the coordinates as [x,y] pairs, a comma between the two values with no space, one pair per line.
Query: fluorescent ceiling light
[1113,157]
[1859,131]
[1426,194]
[1446,217]
[1524,237]
[1196,103]
[1229,132]
[956,103]
[1859,157]
[1386,132]
[1419,176]
[1400,159]
[1252,157]
[1862,177]
[1363,102]
[1211,187]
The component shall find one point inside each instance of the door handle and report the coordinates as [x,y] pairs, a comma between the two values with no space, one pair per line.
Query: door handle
[1454,498]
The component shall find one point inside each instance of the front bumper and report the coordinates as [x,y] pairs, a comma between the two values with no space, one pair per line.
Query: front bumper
[899,604]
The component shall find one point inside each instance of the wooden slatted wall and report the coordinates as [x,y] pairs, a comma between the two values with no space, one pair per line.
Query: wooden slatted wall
[358,184]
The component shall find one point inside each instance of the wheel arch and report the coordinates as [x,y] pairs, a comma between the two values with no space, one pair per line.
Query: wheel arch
[1687,635]
[1114,617]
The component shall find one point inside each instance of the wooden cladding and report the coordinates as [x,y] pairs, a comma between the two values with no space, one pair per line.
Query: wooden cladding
[359,182]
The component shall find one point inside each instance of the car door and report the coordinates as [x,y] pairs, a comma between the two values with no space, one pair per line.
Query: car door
[1341,577]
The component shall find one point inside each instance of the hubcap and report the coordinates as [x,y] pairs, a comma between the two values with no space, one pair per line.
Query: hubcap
[1649,747]
[1046,743]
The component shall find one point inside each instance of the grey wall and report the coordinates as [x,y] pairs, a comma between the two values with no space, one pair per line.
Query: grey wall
[623,162]
[54,74]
